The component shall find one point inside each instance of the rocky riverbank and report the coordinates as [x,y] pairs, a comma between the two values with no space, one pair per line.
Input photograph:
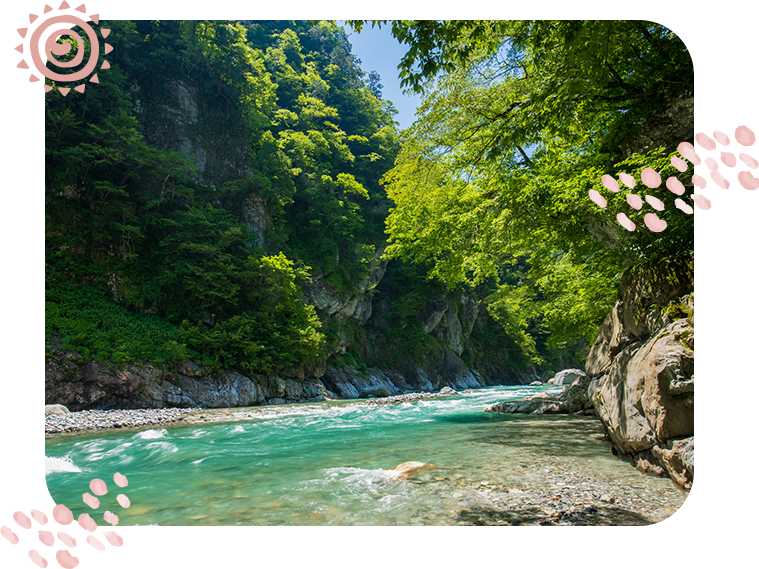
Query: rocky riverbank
[96,420]
[555,495]
[59,420]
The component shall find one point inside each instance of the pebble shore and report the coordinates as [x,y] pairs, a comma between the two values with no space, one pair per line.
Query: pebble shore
[96,420]
[551,495]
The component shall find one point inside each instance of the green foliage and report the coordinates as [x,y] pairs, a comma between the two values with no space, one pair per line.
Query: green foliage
[132,221]
[522,123]
[85,320]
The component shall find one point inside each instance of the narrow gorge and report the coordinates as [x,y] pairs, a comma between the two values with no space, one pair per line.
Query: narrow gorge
[255,277]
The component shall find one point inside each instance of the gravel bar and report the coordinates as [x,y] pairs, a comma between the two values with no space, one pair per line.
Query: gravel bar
[95,420]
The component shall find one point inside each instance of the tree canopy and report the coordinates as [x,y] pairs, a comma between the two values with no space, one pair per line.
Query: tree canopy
[520,121]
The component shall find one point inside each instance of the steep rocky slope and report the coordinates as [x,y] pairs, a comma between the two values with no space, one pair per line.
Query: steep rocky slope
[642,370]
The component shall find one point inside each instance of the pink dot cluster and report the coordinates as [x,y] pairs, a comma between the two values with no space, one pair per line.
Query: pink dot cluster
[63,516]
[652,179]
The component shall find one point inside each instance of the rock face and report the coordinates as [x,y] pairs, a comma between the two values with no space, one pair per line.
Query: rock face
[91,386]
[641,368]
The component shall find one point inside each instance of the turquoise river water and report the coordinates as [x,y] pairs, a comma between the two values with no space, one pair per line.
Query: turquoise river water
[331,463]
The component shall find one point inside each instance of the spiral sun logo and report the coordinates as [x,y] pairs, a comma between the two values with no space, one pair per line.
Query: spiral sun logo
[56,52]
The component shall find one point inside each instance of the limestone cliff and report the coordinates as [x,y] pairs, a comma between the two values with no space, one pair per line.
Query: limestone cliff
[642,370]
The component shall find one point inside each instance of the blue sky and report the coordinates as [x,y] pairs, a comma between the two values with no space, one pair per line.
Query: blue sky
[379,51]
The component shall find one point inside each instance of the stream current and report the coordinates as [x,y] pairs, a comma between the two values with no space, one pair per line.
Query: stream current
[332,464]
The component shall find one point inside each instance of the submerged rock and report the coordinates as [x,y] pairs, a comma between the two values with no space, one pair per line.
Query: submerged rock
[407,469]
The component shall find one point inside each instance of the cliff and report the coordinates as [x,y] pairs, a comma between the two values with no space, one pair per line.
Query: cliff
[224,235]
[642,370]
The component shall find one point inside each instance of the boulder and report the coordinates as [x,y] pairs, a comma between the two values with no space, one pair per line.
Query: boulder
[646,398]
[447,391]
[408,469]
[375,391]
[536,383]
[573,399]
[55,410]
[566,377]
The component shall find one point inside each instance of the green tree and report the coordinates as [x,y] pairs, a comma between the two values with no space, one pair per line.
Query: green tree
[521,123]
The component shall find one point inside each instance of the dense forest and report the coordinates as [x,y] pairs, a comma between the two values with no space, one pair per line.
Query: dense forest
[223,177]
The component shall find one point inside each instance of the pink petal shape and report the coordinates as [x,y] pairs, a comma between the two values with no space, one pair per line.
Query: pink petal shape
[625,222]
[675,186]
[702,202]
[62,515]
[111,518]
[680,204]
[721,137]
[47,9]
[46,537]
[95,542]
[90,500]
[720,180]
[687,151]
[104,32]
[87,523]
[653,222]
[22,32]
[597,198]
[32,17]
[79,88]
[699,181]
[705,142]
[711,163]
[33,79]
[610,183]
[627,179]
[105,65]
[64,90]
[108,48]
[113,538]
[98,487]
[8,534]
[744,135]
[22,519]
[81,9]
[728,159]
[120,480]
[64,5]
[95,18]
[94,78]
[655,203]
[37,558]
[19,48]
[39,517]
[67,540]
[746,180]
[48,88]
[22,65]
[66,560]
[634,201]
[748,160]
[123,501]
[650,178]
[679,163]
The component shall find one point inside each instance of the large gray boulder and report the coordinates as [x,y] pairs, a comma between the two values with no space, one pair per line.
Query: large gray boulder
[375,391]
[566,377]
[55,410]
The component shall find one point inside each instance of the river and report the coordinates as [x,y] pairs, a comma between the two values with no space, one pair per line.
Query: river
[331,464]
